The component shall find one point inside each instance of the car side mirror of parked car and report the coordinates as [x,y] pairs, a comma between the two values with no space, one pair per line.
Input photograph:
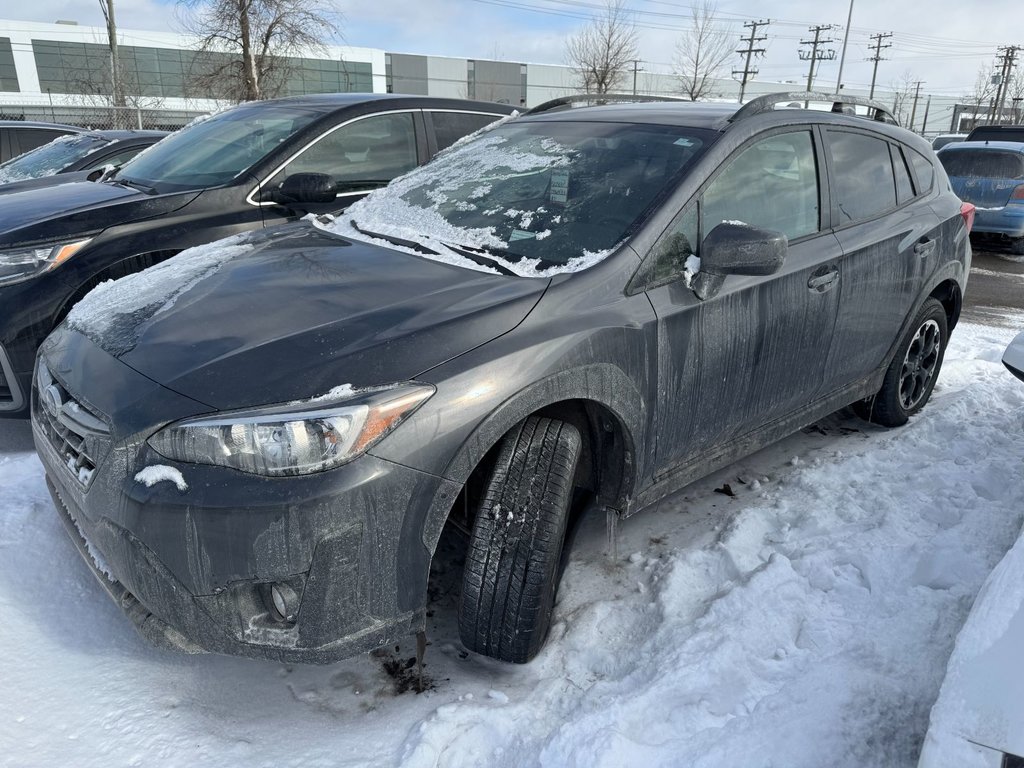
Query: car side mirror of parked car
[732,248]
[305,188]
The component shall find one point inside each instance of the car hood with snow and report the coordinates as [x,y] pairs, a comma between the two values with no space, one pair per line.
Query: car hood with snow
[79,208]
[307,310]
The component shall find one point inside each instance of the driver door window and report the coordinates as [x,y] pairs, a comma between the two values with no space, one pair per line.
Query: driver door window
[362,155]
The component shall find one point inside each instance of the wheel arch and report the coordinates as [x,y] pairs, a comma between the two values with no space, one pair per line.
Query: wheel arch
[600,400]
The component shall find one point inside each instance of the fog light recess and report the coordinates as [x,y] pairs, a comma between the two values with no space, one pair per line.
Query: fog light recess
[283,602]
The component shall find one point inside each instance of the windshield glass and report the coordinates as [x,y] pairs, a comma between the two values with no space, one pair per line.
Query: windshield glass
[215,150]
[983,164]
[51,158]
[537,197]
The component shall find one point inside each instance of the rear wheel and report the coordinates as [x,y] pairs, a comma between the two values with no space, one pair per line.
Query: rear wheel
[911,376]
[512,563]
[1017,246]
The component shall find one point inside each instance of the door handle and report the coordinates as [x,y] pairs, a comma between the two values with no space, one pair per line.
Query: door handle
[925,247]
[823,281]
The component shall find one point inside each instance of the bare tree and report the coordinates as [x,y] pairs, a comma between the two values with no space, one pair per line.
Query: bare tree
[246,44]
[903,96]
[601,51]
[702,51]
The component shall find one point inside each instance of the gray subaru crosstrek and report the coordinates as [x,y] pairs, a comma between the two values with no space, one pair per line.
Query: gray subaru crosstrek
[257,444]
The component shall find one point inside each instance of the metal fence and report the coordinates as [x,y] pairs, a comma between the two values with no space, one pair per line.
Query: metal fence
[102,117]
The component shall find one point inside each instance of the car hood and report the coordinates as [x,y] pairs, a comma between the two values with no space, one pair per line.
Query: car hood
[52,212]
[52,180]
[291,314]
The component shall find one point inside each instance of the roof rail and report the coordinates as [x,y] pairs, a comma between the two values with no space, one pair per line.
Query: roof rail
[767,103]
[566,102]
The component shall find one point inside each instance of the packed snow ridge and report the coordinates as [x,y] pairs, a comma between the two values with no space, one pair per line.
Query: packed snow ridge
[159,473]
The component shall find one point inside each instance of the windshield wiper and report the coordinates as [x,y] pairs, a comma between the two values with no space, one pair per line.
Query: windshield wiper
[479,255]
[126,182]
[396,240]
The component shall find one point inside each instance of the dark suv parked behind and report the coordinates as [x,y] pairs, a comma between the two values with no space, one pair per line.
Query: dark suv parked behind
[251,166]
[256,445]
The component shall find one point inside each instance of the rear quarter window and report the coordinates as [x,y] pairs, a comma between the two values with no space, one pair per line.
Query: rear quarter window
[449,127]
[924,170]
[983,164]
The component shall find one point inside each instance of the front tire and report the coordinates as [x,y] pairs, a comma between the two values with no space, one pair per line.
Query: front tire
[512,563]
[911,376]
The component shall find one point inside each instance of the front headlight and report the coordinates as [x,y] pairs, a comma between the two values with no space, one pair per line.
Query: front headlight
[23,263]
[294,439]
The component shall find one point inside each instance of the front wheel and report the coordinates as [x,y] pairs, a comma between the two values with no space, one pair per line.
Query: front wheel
[911,376]
[512,563]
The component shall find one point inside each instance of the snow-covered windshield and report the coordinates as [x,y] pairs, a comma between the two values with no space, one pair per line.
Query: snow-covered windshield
[214,151]
[531,198]
[51,158]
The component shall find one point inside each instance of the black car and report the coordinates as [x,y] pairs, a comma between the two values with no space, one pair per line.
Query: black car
[19,136]
[255,165]
[74,153]
[257,445]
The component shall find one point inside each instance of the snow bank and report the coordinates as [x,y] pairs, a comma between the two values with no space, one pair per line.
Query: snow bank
[797,622]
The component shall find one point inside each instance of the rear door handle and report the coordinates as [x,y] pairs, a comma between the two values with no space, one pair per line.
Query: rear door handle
[924,247]
[822,281]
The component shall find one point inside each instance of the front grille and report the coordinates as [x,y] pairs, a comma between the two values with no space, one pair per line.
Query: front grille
[78,434]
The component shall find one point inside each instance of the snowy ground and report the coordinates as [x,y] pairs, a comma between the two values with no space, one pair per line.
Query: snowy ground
[805,621]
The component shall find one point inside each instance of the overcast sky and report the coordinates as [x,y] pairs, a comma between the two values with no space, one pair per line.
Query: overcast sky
[942,42]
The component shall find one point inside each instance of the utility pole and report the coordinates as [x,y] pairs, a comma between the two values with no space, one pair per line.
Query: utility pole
[815,55]
[924,121]
[116,86]
[878,38]
[913,110]
[1009,62]
[747,73]
[636,68]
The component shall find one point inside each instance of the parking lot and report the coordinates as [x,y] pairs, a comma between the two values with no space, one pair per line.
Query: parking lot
[996,288]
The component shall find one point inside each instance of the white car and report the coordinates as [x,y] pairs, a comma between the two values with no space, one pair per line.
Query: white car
[978,719]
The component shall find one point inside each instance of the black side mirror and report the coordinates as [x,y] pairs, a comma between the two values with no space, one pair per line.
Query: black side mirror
[733,248]
[305,188]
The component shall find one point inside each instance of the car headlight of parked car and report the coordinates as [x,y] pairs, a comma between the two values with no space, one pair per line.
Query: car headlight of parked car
[296,439]
[22,263]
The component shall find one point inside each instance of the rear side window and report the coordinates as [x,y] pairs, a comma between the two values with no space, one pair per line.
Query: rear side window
[983,164]
[864,182]
[924,171]
[449,127]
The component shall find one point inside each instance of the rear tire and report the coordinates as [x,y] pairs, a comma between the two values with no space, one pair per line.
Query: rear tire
[512,562]
[911,375]
[1017,246]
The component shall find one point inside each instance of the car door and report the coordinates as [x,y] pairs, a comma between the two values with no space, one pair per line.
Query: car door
[889,238]
[360,155]
[754,352]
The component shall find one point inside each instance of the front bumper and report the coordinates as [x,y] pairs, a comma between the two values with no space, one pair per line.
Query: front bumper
[192,568]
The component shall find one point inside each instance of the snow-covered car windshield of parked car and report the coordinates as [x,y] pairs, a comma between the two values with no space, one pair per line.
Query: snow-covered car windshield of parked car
[51,158]
[214,151]
[536,197]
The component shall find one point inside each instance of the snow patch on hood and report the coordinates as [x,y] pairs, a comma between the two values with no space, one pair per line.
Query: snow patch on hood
[112,312]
